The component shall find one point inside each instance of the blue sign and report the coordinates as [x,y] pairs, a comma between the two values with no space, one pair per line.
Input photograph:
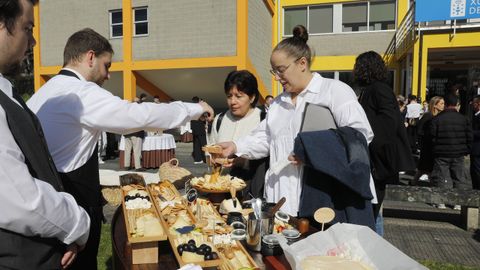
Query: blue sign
[440,10]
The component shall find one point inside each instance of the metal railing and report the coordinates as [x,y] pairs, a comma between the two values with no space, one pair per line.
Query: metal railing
[403,39]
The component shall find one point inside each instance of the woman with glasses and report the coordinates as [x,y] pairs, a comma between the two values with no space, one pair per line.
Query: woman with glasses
[290,61]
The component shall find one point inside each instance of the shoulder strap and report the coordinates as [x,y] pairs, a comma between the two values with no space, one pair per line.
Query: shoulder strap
[263,114]
[219,121]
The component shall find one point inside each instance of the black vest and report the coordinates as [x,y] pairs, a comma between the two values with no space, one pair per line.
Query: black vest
[18,251]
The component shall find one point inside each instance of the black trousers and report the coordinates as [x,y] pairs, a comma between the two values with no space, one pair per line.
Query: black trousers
[475,171]
[198,142]
[449,172]
[412,138]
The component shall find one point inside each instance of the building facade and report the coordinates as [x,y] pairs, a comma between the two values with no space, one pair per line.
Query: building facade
[182,48]
[175,49]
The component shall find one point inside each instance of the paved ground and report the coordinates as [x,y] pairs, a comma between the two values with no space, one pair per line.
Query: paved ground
[419,230]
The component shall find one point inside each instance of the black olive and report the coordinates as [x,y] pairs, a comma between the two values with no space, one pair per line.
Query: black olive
[203,245]
[208,257]
[191,241]
[180,249]
[207,249]
[192,248]
[214,255]
[200,251]
[185,247]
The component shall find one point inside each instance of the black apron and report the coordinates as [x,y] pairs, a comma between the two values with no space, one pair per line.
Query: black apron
[84,185]
[19,251]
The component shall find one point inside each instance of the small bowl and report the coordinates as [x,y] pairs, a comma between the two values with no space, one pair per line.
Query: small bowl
[291,233]
[238,225]
[270,246]
[238,234]
[235,217]
[282,216]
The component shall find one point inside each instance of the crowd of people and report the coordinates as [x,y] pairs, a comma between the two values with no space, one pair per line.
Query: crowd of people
[50,192]
[442,137]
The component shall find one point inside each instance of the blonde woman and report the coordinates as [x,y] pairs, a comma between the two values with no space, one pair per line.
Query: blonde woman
[425,163]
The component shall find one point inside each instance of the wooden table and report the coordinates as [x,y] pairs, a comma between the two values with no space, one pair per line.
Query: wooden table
[122,253]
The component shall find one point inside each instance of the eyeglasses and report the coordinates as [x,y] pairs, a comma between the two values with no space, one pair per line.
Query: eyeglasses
[280,70]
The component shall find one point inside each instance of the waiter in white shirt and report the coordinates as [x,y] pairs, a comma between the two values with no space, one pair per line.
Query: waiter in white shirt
[74,109]
[41,227]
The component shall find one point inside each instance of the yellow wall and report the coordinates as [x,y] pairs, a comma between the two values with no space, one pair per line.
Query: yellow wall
[436,41]
[333,63]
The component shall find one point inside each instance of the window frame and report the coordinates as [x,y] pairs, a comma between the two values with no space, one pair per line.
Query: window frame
[339,19]
[110,14]
[135,22]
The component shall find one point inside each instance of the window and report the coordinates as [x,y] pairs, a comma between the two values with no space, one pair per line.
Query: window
[382,16]
[320,19]
[354,17]
[116,23]
[373,15]
[293,17]
[140,22]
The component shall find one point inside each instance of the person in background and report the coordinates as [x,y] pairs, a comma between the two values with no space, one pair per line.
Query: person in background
[403,107]
[425,162]
[74,109]
[102,146]
[414,110]
[156,99]
[475,154]
[111,151]
[241,89]
[199,133]
[389,152]
[41,226]
[268,102]
[133,142]
[451,141]
[424,107]
[275,136]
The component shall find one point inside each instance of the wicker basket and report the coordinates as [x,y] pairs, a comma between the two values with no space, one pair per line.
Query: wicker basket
[172,172]
[113,195]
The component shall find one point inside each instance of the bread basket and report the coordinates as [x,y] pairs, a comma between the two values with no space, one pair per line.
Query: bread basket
[172,172]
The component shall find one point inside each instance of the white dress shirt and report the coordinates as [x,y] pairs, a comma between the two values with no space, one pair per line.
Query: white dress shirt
[414,110]
[74,112]
[276,134]
[29,206]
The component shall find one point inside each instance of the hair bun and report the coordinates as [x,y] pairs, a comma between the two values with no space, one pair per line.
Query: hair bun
[300,32]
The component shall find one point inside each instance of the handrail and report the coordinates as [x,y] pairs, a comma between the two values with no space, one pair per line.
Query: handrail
[403,38]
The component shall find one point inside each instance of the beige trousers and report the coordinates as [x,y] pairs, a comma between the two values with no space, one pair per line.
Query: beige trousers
[134,143]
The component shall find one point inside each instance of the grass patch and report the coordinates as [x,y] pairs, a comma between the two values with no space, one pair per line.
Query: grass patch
[445,266]
[104,257]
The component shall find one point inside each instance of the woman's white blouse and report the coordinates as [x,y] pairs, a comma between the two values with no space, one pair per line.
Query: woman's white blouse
[275,135]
